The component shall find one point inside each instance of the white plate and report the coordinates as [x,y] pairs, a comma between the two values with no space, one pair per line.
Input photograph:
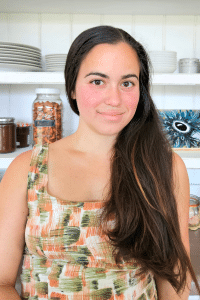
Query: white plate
[55,69]
[54,59]
[55,63]
[55,55]
[163,58]
[20,60]
[164,61]
[20,63]
[18,67]
[16,52]
[21,46]
[163,52]
[160,60]
[163,55]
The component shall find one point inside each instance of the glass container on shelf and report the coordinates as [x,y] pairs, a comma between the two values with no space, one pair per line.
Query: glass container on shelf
[7,135]
[47,116]
[194,217]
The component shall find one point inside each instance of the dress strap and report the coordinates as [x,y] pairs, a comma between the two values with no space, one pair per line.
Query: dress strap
[37,175]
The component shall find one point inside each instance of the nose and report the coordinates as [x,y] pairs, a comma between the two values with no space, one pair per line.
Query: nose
[113,96]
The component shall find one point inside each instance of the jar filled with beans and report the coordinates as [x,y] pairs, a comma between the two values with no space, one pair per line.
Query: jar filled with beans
[47,116]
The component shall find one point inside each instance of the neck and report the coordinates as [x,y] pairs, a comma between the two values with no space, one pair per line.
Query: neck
[91,143]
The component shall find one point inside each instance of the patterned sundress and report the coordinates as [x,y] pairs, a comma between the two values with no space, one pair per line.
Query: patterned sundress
[66,256]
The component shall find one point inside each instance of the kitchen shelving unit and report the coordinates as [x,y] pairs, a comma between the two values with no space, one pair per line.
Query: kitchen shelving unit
[191,157]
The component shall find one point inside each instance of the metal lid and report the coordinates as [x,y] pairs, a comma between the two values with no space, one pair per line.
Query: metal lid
[194,200]
[6,120]
[47,91]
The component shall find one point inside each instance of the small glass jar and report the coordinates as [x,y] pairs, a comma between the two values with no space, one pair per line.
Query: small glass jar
[23,135]
[194,220]
[7,135]
[47,116]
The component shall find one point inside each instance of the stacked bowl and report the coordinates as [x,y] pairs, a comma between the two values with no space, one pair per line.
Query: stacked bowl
[189,65]
[55,62]
[19,57]
[163,61]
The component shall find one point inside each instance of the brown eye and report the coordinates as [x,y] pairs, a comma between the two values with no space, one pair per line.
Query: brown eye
[97,81]
[128,82]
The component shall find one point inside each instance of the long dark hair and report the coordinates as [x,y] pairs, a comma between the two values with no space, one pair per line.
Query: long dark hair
[141,196]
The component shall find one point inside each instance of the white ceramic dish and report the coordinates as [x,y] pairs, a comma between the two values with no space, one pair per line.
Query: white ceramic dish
[19,46]
[17,52]
[163,52]
[164,70]
[55,70]
[18,67]
[55,55]
[164,63]
[56,61]
[21,60]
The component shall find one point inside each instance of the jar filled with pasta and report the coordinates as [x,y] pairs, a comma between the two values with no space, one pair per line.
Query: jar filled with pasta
[47,116]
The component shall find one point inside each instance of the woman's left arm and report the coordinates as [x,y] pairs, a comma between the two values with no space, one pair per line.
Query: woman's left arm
[182,195]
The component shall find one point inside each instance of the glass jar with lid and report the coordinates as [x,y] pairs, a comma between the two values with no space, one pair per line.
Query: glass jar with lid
[47,116]
[194,220]
[7,135]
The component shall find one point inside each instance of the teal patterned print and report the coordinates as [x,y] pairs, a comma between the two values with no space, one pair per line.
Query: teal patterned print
[66,255]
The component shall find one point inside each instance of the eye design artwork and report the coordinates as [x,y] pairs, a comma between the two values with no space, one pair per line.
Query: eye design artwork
[182,127]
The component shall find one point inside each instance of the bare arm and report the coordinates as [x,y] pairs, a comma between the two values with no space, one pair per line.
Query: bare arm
[182,194]
[13,216]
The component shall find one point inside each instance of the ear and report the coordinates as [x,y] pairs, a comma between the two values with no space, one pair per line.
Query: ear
[73,95]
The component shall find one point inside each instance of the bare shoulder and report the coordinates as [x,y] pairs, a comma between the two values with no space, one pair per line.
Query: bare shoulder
[13,216]
[182,195]
[17,172]
[179,170]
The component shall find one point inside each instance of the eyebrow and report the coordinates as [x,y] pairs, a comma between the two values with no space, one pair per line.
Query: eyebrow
[106,76]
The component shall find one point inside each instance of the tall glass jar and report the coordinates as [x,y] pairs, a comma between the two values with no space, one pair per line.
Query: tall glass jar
[47,116]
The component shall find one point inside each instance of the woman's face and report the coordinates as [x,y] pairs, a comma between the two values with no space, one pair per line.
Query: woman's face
[107,101]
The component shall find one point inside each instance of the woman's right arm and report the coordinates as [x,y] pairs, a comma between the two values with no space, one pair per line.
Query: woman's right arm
[13,217]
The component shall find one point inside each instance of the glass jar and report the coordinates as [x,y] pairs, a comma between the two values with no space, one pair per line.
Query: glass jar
[194,220]
[7,135]
[47,116]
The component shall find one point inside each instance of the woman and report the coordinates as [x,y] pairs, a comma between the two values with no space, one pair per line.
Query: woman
[105,211]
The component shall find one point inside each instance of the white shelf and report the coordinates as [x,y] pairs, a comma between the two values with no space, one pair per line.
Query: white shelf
[191,158]
[7,158]
[58,78]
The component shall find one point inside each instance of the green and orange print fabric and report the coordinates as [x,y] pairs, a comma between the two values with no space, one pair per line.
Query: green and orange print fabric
[66,255]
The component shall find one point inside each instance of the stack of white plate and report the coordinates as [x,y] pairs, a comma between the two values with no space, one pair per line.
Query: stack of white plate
[55,62]
[163,61]
[19,57]
[189,65]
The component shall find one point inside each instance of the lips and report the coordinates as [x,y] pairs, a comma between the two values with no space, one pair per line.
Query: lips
[109,113]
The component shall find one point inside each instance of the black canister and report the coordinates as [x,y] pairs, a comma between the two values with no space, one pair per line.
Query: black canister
[7,135]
